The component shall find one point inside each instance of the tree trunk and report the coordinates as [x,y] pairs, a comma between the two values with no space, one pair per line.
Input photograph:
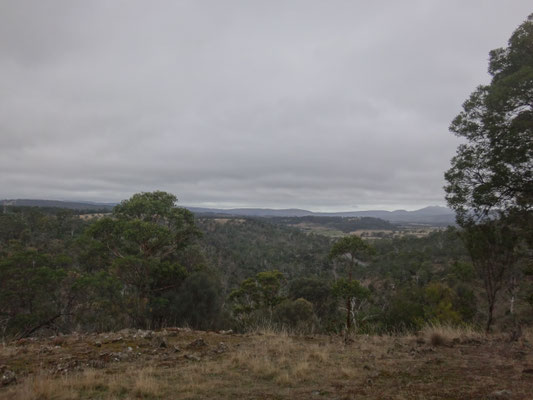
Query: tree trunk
[489,317]
[348,314]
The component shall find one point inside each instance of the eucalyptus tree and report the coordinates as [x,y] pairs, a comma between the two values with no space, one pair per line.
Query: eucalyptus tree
[150,243]
[351,250]
[490,182]
[492,172]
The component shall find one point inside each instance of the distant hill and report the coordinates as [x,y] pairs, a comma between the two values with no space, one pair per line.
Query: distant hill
[73,205]
[428,215]
[253,212]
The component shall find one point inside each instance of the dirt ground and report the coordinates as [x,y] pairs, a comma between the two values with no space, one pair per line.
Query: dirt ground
[185,364]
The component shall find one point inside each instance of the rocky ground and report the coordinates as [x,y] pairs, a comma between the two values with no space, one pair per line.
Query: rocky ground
[184,364]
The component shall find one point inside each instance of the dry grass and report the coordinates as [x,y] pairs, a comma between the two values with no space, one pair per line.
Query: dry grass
[445,335]
[268,365]
[527,334]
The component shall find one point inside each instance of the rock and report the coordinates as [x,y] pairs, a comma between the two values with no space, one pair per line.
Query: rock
[159,342]
[191,357]
[126,332]
[221,348]
[198,343]
[500,395]
[8,377]
[98,343]
[45,350]
[120,356]
[172,331]
[144,334]
[96,364]
[117,339]
[58,341]
[228,332]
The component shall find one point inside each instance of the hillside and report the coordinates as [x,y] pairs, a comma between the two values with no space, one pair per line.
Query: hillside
[185,364]
[427,215]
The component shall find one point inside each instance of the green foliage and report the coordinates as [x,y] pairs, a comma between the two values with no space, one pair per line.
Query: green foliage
[198,303]
[350,248]
[439,305]
[35,290]
[492,247]
[343,224]
[318,293]
[241,247]
[351,245]
[296,314]
[493,171]
[146,239]
[144,266]
[256,297]
[349,289]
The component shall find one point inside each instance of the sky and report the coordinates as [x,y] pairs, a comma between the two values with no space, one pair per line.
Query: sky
[322,105]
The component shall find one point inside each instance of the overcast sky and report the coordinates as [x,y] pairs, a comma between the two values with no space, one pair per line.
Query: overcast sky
[325,105]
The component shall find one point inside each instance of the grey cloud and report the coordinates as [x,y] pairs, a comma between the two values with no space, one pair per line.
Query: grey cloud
[276,104]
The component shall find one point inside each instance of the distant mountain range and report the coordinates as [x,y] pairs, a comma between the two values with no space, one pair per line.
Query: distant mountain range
[73,205]
[428,215]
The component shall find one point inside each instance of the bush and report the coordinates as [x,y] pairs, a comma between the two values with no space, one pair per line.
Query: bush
[297,314]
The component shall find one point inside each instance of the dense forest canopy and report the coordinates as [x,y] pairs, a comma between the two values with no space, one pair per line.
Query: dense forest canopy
[151,264]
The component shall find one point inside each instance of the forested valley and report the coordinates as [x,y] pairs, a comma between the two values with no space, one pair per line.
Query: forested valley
[151,265]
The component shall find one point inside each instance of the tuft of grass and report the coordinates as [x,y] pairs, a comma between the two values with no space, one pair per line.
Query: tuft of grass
[445,334]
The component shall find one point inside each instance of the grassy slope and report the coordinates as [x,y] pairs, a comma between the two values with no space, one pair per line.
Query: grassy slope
[268,366]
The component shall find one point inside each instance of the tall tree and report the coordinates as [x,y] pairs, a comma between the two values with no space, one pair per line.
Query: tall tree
[490,182]
[351,249]
[148,238]
[493,171]
[492,246]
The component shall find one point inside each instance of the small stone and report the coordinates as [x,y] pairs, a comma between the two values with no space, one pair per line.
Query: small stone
[98,343]
[221,348]
[191,357]
[500,394]
[197,343]
[160,342]
[8,377]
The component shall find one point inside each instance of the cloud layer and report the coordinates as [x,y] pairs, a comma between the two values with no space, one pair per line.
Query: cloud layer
[323,105]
